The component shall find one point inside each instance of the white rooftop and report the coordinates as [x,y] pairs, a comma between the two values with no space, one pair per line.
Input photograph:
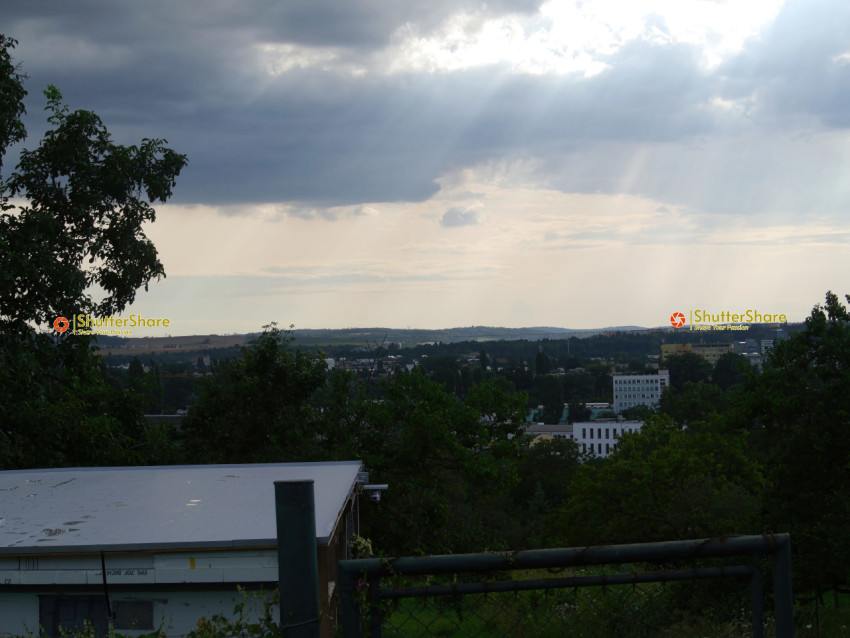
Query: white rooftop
[129,508]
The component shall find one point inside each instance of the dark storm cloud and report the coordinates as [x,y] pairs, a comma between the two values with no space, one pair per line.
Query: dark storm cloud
[349,23]
[190,72]
[321,138]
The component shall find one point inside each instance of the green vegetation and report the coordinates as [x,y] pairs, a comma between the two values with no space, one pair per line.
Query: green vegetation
[710,609]
[86,201]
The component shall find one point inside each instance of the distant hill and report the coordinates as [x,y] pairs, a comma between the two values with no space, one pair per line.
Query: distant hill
[353,337]
[145,345]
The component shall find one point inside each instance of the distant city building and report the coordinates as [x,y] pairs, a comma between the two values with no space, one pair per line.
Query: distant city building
[631,390]
[597,410]
[543,432]
[749,346]
[711,352]
[600,438]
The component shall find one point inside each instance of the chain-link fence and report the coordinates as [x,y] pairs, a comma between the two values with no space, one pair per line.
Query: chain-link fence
[573,592]
[677,608]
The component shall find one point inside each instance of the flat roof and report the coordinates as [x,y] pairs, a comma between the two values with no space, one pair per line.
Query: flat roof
[160,507]
[546,427]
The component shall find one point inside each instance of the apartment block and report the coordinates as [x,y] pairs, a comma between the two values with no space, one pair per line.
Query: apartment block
[631,390]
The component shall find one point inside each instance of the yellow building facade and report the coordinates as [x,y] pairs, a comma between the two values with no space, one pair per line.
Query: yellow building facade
[711,352]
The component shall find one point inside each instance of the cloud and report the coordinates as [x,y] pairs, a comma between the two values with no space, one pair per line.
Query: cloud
[318,138]
[795,68]
[318,141]
[363,211]
[455,217]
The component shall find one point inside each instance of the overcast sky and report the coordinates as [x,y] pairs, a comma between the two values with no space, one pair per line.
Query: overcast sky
[438,164]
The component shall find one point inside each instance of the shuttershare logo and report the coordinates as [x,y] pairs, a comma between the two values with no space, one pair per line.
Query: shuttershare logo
[87,325]
[61,324]
[725,319]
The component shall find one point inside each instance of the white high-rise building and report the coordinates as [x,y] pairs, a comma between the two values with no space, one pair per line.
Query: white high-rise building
[631,390]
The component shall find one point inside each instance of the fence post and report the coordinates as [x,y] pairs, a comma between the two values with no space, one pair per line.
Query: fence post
[757,592]
[348,607]
[783,597]
[375,615]
[298,569]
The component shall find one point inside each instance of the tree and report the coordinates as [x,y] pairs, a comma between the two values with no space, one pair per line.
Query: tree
[799,409]
[85,200]
[638,366]
[135,373]
[665,483]
[255,408]
[483,359]
[549,464]
[545,473]
[638,413]
[550,393]
[446,371]
[687,367]
[12,94]
[579,386]
[579,412]
[448,462]
[542,363]
[730,370]
[88,200]
[694,403]
[603,383]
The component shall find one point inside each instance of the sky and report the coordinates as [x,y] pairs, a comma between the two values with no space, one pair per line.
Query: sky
[361,163]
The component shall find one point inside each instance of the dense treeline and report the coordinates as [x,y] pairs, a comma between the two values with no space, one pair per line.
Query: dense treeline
[586,363]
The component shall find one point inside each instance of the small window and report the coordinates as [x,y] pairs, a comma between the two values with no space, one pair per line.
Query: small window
[133,614]
[66,615]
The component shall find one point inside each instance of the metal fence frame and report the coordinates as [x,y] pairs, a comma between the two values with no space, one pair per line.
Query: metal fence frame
[755,547]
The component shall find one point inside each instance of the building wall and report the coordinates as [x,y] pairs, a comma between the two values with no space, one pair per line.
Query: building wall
[552,431]
[30,586]
[600,438]
[631,390]
[175,612]
[711,352]
[18,614]
[140,568]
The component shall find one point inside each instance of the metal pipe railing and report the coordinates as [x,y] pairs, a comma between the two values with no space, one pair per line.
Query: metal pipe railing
[776,545]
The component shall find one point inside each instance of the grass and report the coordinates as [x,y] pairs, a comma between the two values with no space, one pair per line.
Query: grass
[826,620]
[645,610]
